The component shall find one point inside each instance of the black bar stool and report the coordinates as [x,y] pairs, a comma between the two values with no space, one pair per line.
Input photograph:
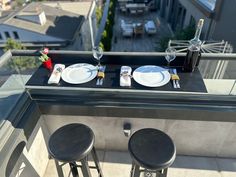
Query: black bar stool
[72,143]
[153,150]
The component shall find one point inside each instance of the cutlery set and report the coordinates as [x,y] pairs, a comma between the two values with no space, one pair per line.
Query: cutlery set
[100,75]
[175,78]
[137,77]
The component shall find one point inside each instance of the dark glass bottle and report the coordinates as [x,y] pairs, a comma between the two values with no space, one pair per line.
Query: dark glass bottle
[193,53]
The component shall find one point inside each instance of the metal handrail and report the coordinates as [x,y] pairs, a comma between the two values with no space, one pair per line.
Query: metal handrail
[204,56]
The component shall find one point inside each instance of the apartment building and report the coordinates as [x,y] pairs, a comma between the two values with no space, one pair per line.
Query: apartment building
[219,21]
[54,24]
[219,25]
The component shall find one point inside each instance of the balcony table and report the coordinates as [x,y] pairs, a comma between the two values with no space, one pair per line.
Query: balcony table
[111,100]
[189,82]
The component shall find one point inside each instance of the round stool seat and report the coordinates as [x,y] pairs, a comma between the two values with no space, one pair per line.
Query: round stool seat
[152,149]
[71,142]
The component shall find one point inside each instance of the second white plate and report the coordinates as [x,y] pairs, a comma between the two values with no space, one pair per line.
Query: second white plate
[79,73]
[151,76]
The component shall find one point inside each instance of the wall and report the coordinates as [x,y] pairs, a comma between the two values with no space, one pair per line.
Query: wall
[202,138]
[24,154]
[197,14]
[26,35]
[225,27]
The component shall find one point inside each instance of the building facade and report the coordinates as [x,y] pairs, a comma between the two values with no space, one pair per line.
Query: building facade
[219,21]
[37,25]
[219,24]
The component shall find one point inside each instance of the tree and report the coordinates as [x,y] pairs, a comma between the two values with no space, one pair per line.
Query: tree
[184,34]
[21,63]
[12,44]
[108,31]
[99,15]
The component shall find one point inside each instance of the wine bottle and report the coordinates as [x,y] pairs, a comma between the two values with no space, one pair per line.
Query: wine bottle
[193,53]
[196,40]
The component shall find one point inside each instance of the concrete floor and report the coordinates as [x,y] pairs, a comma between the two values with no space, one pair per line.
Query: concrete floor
[221,86]
[118,164]
[143,43]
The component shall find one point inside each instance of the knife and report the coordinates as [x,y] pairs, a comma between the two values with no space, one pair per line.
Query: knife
[98,79]
[173,81]
[176,81]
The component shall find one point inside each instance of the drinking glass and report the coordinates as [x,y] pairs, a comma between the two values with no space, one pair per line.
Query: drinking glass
[97,53]
[170,55]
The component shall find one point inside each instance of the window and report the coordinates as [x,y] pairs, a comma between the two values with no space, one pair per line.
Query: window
[192,22]
[167,3]
[183,18]
[16,36]
[7,34]
[0,36]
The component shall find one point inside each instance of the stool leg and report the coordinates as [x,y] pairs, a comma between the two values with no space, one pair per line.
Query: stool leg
[74,170]
[96,161]
[136,172]
[132,169]
[163,173]
[85,168]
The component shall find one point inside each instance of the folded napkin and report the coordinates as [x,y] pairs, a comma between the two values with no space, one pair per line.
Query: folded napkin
[56,74]
[100,74]
[125,76]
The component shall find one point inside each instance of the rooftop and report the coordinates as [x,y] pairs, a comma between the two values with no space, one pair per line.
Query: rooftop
[56,20]
[80,8]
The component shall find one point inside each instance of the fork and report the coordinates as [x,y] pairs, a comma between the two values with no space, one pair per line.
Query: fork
[98,78]
[176,81]
[102,70]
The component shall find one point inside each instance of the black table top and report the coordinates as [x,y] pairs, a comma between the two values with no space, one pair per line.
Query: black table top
[190,82]
[152,149]
[71,142]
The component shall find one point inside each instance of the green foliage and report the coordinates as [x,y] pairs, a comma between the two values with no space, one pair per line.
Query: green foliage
[98,15]
[184,34]
[12,44]
[106,40]
[21,63]
[101,45]
[164,43]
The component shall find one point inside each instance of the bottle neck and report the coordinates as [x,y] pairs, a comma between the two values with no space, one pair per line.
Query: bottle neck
[196,40]
[198,33]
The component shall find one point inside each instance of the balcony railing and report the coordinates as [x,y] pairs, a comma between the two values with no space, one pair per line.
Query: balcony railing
[31,114]
[17,68]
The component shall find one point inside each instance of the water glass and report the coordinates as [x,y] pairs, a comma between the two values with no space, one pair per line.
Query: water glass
[170,55]
[97,53]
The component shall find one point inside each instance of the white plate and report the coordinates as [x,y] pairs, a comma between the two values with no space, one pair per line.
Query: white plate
[79,73]
[151,76]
